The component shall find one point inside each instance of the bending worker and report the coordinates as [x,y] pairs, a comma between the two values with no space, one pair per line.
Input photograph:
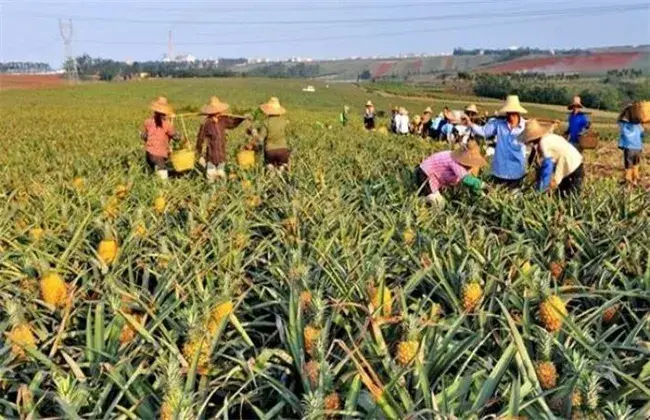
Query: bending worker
[560,162]
[449,168]
[509,162]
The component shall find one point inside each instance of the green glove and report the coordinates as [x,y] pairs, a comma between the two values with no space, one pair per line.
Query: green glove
[473,183]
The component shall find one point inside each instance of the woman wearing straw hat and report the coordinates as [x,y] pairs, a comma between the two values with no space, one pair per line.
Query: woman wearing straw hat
[402,122]
[156,133]
[509,162]
[213,133]
[449,168]
[415,128]
[427,127]
[559,161]
[472,112]
[631,143]
[369,116]
[578,122]
[273,134]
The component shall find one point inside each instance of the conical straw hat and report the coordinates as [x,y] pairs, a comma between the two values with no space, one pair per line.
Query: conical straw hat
[273,107]
[214,106]
[469,156]
[512,106]
[534,130]
[161,106]
[403,111]
[428,110]
[471,108]
[417,119]
[576,102]
[369,103]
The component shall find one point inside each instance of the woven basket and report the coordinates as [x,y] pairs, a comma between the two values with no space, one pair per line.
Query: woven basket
[246,159]
[640,112]
[183,160]
[589,140]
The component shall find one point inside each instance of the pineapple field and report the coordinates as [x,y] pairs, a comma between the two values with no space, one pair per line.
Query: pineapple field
[330,291]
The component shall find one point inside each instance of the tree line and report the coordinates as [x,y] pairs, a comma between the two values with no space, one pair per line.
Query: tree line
[24,67]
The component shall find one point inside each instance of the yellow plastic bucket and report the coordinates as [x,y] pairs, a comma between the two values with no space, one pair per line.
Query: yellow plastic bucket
[246,159]
[183,160]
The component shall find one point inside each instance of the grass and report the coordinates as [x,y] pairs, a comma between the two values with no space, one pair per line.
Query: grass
[301,257]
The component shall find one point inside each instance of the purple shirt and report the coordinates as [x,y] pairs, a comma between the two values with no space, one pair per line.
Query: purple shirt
[442,170]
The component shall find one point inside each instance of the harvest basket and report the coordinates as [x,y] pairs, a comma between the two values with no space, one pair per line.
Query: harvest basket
[246,159]
[640,112]
[589,140]
[183,160]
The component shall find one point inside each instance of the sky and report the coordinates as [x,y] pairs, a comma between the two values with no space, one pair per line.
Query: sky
[137,30]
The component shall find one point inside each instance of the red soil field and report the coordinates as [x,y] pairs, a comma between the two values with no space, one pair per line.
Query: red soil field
[384,68]
[30,81]
[593,63]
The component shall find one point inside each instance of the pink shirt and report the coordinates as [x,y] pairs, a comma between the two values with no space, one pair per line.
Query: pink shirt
[157,143]
[442,170]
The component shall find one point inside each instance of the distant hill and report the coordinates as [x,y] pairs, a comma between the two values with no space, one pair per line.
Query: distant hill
[593,61]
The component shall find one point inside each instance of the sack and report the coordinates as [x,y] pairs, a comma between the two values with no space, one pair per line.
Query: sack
[640,112]
[589,140]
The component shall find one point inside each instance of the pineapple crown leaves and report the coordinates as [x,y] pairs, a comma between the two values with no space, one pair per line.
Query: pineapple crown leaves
[70,392]
[545,345]
[592,392]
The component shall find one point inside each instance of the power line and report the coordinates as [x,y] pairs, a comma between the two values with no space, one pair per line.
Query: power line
[492,23]
[581,11]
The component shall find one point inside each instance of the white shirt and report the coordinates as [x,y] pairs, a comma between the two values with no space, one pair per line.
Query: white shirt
[402,124]
[563,154]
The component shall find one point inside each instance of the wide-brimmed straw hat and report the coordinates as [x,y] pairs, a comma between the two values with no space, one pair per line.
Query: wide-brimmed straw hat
[161,106]
[534,131]
[469,156]
[369,103]
[273,107]
[471,108]
[403,111]
[512,106]
[428,110]
[417,119]
[576,102]
[214,106]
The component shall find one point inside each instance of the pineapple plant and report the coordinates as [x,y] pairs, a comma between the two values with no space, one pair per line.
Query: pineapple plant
[311,334]
[381,299]
[610,313]
[160,204]
[409,236]
[107,248]
[545,368]
[21,335]
[552,309]
[556,266]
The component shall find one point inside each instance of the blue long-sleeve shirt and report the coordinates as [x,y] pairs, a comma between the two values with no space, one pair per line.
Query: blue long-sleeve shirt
[577,124]
[631,136]
[509,160]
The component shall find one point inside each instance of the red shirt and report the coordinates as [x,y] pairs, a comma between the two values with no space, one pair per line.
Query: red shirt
[157,138]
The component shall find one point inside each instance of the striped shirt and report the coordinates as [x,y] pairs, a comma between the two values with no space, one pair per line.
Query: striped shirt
[442,170]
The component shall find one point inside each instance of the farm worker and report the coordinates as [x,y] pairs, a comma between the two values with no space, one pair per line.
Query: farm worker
[369,116]
[631,142]
[447,168]
[213,133]
[509,162]
[273,134]
[472,112]
[578,122]
[402,122]
[560,162]
[427,124]
[393,119]
[344,117]
[415,127]
[156,133]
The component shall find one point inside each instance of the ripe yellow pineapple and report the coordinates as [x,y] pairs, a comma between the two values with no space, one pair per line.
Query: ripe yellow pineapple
[552,312]
[547,374]
[312,370]
[406,352]
[78,183]
[140,231]
[166,411]
[107,250]
[36,233]
[381,299]
[253,201]
[332,402]
[472,295]
[53,290]
[128,333]
[305,300]
[21,337]
[111,209]
[576,399]
[311,335]
[159,204]
[221,311]
[201,347]
[121,191]
[246,185]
